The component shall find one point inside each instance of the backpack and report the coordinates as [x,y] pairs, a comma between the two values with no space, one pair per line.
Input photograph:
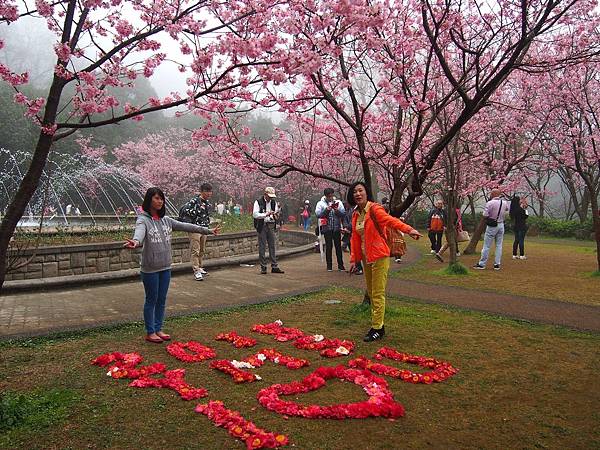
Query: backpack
[183,215]
[394,239]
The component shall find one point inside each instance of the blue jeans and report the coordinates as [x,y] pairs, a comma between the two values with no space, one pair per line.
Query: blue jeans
[306,223]
[491,234]
[519,242]
[156,286]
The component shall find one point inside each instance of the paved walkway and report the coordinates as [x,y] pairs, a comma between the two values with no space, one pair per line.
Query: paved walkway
[39,313]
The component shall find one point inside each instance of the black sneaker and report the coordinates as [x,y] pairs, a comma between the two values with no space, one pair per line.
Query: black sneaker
[496,266]
[341,269]
[478,267]
[374,335]
[263,270]
[276,270]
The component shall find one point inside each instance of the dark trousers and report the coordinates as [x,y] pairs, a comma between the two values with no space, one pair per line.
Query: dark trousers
[358,264]
[519,242]
[333,238]
[267,237]
[436,240]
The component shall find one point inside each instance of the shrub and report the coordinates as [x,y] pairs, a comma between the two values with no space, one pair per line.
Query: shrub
[456,269]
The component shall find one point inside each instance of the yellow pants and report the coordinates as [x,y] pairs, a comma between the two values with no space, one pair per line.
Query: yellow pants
[376,277]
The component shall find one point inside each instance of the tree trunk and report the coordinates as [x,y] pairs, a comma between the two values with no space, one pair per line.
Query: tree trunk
[30,181]
[479,229]
[451,228]
[596,222]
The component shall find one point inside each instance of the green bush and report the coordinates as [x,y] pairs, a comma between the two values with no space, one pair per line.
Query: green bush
[456,269]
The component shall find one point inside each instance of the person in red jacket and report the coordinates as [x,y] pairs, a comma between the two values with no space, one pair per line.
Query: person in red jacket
[369,246]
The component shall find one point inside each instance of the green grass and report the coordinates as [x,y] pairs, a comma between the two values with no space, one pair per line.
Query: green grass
[520,385]
[557,269]
[34,411]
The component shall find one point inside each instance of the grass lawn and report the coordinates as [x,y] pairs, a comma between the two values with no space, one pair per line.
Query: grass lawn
[519,385]
[556,269]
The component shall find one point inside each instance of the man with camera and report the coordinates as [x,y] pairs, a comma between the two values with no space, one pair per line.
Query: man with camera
[266,216]
[330,213]
[493,213]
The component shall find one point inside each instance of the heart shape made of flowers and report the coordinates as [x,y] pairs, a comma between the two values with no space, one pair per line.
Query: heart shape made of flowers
[380,403]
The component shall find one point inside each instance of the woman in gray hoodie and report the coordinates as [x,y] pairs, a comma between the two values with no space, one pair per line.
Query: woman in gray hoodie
[153,229]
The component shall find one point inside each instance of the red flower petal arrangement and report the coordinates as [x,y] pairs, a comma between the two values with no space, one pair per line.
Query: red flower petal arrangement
[201,352]
[142,376]
[241,428]
[270,354]
[234,368]
[441,370]
[330,348]
[238,375]
[380,403]
[126,366]
[175,380]
[237,340]
[281,333]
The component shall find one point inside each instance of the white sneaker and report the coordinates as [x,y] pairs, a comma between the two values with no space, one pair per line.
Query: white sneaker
[457,253]
[432,252]
[523,257]
[515,257]
[198,276]
[202,271]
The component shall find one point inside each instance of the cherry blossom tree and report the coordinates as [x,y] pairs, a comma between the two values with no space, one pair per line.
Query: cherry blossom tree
[382,74]
[101,45]
[574,137]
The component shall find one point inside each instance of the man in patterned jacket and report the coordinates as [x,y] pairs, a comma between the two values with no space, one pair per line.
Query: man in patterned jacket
[197,211]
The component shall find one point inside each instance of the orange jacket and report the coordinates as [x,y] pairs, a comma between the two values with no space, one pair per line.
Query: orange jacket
[375,245]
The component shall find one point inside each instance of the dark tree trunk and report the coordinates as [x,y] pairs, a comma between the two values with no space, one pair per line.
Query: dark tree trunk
[30,181]
[479,229]
[596,222]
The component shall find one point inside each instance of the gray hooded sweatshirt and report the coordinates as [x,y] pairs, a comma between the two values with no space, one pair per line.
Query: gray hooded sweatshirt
[155,235]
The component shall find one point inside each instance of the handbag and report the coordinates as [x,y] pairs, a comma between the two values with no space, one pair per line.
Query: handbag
[394,239]
[463,236]
[494,222]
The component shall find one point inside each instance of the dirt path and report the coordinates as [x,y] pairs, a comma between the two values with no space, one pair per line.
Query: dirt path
[39,313]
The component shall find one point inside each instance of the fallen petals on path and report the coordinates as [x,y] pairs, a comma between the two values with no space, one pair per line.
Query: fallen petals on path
[241,428]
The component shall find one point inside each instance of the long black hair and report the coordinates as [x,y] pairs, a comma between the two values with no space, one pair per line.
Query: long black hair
[151,192]
[350,195]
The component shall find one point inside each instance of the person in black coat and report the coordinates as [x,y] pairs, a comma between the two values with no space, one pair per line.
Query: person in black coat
[519,214]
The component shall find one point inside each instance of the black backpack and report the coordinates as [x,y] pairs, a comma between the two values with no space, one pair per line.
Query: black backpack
[183,216]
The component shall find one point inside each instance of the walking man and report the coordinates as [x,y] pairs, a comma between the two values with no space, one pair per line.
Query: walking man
[197,211]
[265,213]
[330,213]
[493,213]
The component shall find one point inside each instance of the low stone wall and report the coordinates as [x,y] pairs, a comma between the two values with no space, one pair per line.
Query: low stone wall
[81,259]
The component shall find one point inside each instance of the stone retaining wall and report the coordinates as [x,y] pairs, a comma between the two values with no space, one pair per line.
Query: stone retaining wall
[111,256]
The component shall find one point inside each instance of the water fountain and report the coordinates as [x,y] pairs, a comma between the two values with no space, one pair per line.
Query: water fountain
[99,194]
